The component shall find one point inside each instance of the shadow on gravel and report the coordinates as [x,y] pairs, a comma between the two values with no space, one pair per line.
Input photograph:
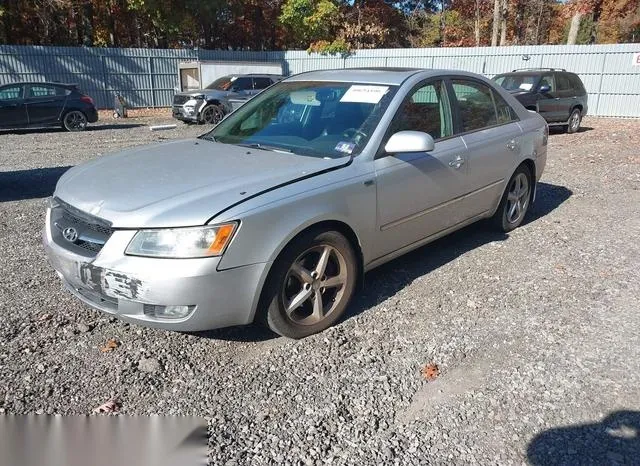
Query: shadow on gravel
[563,130]
[56,129]
[249,333]
[29,184]
[615,440]
[386,280]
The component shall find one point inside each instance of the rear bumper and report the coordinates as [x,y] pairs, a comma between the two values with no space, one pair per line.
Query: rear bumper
[92,115]
[122,285]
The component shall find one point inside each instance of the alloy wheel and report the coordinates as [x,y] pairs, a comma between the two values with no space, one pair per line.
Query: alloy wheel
[517,198]
[314,285]
[212,115]
[75,121]
[574,123]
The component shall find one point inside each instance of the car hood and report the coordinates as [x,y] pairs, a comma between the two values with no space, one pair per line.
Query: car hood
[180,183]
[207,92]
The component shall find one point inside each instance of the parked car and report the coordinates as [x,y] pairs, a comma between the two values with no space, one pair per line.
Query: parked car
[39,104]
[276,213]
[556,94]
[211,104]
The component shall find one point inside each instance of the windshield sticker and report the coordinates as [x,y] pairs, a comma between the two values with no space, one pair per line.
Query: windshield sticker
[304,98]
[526,86]
[345,147]
[364,94]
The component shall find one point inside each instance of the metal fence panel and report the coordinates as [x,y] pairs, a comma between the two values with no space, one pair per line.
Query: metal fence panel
[148,77]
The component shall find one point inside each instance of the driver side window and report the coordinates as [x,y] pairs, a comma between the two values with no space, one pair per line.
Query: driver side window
[425,109]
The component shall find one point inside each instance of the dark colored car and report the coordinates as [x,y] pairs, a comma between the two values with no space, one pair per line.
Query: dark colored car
[225,94]
[41,104]
[556,94]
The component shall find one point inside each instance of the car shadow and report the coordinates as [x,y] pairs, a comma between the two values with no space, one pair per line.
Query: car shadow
[562,130]
[385,281]
[614,440]
[56,129]
[20,185]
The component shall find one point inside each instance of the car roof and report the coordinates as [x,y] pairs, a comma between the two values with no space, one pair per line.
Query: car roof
[48,83]
[389,76]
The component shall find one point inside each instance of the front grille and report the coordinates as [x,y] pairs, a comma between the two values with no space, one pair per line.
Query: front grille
[180,99]
[91,232]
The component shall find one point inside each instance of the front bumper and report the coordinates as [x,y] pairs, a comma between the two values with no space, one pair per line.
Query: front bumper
[179,113]
[121,285]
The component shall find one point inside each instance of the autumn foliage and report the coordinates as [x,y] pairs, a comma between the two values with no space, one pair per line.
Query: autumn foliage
[324,26]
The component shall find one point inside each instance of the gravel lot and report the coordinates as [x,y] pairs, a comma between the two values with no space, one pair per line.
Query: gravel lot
[536,334]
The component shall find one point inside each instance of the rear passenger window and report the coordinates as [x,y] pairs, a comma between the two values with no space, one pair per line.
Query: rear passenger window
[427,109]
[476,105]
[9,93]
[261,83]
[563,82]
[505,113]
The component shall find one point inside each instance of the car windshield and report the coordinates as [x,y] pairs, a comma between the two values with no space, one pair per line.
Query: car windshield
[523,82]
[319,119]
[222,84]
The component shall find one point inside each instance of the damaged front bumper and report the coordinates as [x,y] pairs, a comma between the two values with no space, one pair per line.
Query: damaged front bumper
[132,287]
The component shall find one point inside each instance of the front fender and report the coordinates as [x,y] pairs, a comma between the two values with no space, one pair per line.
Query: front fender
[269,222]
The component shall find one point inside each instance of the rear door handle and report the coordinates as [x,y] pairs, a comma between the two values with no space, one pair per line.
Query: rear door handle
[457,162]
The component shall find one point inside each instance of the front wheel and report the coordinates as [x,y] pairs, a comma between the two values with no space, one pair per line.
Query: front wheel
[212,114]
[515,200]
[74,121]
[311,284]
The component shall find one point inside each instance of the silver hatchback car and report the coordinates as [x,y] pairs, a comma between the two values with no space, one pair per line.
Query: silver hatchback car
[276,214]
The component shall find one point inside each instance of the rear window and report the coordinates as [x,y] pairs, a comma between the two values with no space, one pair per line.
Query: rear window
[36,91]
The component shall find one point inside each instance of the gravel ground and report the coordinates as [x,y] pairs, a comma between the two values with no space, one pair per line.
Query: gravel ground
[536,334]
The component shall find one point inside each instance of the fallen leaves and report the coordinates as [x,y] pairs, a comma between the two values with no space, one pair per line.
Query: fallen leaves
[110,345]
[109,407]
[430,371]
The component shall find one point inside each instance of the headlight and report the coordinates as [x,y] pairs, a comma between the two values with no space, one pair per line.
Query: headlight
[182,243]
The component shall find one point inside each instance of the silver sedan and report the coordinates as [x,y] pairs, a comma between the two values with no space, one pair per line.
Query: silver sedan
[276,214]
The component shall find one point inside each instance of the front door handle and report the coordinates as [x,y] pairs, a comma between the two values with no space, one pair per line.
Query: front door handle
[457,162]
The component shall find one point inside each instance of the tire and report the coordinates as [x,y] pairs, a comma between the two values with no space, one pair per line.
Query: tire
[211,114]
[515,201]
[574,121]
[298,279]
[74,121]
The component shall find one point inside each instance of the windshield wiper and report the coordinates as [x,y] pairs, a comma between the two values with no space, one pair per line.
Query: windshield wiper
[257,145]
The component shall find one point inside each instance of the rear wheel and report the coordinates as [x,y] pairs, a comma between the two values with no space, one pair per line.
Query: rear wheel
[75,120]
[574,121]
[212,114]
[311,284]
[515,200]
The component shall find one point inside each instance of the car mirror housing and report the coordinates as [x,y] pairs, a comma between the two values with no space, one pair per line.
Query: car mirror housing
[409,141]
[544,89]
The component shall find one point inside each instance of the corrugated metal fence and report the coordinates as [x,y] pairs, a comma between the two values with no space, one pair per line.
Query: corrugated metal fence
[147,77]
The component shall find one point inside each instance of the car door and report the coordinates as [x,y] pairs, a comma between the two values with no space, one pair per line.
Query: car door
[547,99]
[566,97]
[489,128]
[419,194]
[12,109]
[45,103]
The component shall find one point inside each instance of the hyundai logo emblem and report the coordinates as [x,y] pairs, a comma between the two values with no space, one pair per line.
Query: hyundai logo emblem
[70,234]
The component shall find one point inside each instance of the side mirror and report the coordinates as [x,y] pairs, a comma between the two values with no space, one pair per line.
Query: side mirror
[544,89]
[409,141]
